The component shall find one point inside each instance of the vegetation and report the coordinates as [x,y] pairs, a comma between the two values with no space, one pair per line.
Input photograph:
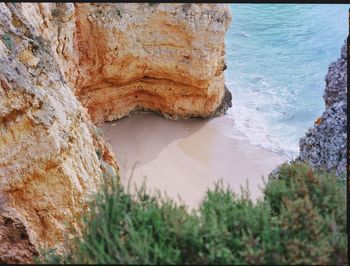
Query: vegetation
[55,12]
[117,12]
[301,220]
[7,41]
[42,43]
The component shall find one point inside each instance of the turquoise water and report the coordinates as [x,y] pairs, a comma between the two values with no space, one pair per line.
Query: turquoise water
[277,57]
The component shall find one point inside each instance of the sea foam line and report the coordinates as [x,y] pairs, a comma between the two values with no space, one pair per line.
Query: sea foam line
[250,123]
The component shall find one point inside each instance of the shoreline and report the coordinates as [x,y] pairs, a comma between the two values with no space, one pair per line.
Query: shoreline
[184,158]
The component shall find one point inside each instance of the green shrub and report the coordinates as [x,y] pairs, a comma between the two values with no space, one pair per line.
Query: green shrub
[117,12]
[6,38]
[301,220]
[318,195]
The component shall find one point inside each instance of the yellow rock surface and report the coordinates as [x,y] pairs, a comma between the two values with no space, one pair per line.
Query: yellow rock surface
[120,58]
[48,161]
[161,57]
[112,59]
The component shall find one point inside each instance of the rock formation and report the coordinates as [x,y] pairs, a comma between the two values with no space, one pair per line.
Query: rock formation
[113,59]
[121,58]
[48,160]
[159,57]
[324,145]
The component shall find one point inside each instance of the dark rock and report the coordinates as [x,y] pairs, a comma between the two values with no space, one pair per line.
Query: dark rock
[335,90]
[324,145]
[226,103]
[16,246]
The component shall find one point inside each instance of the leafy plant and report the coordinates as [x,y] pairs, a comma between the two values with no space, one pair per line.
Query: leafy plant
[6,38]
[300,220]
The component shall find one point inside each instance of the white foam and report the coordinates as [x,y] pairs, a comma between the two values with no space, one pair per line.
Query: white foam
[252,124]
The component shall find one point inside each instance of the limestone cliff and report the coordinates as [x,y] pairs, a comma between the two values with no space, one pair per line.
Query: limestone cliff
[120,58]
[48,147]
[159,57]
[324,145]
[113,59]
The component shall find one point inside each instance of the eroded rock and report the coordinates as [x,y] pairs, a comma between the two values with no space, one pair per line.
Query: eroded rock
[114,59]
[324,145]
[168,58]
[48,161]
[121,58]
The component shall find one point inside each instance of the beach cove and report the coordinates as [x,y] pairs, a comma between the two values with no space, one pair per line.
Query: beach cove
[186,157]
[97,100]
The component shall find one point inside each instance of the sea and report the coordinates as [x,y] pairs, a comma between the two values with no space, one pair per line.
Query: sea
[277,58]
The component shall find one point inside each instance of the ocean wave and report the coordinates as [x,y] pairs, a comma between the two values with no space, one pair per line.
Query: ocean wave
[252,124]
[276,64]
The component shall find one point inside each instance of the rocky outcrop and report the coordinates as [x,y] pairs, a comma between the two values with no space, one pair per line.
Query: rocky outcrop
[114,59]
[159,57]
[121,58]
[324,145]
[49,165]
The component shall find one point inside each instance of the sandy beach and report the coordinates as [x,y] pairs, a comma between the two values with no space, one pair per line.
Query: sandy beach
[184,158]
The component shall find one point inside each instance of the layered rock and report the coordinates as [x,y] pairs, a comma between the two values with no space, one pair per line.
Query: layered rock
[159,57]
[49,164]
[120,58]
[114,59]
[324,145]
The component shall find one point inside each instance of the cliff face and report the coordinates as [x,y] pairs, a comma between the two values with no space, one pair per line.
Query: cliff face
[48,160]
[113,59]
[324,145]
[120,58]
[159,57]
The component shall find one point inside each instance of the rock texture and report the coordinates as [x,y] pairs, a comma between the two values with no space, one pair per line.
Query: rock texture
[167,58]
[113,59]
[324,145]
[121,58]
[49,164]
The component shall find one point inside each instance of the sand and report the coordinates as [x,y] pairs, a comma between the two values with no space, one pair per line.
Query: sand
[184,158]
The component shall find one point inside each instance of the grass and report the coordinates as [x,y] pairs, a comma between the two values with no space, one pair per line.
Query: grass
[301,220]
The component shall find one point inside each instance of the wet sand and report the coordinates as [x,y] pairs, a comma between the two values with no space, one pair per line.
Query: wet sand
[185,158]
